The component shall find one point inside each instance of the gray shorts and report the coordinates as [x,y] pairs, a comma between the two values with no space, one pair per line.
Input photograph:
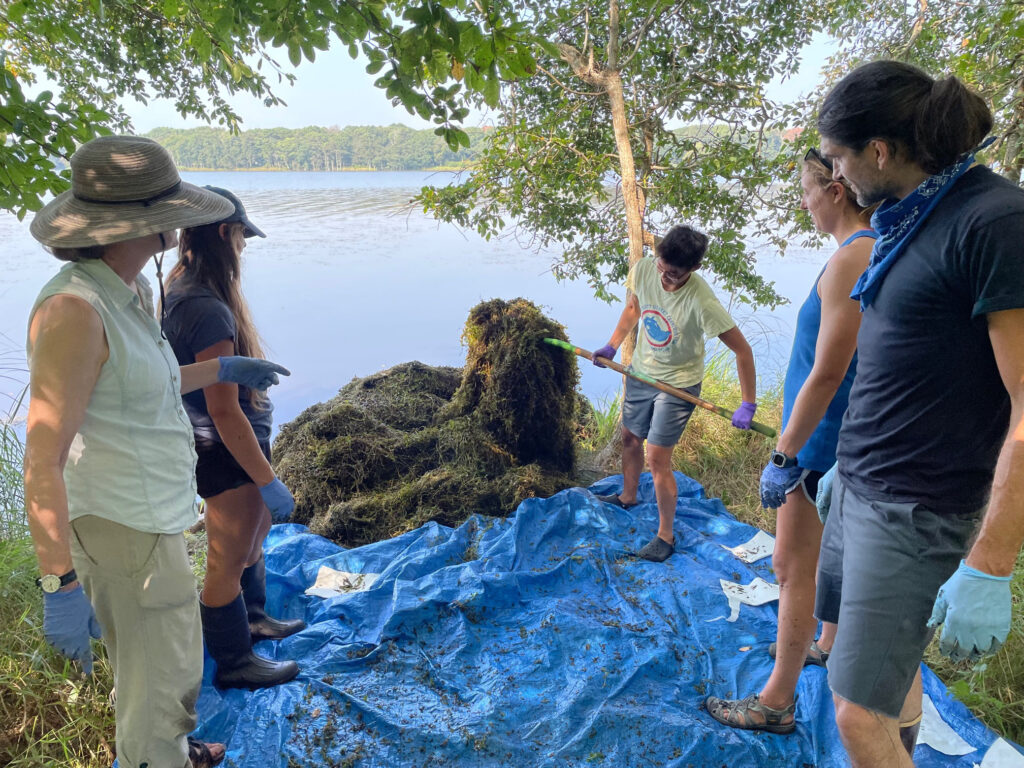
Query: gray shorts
[880,568]
[656,416]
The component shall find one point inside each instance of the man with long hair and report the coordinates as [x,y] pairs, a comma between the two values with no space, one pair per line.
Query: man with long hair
[923,448]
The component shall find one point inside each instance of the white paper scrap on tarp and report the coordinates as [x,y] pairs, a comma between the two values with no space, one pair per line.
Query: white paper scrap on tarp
[757,592]
[761,546]
[937,733]
[1002,755]
[331,583]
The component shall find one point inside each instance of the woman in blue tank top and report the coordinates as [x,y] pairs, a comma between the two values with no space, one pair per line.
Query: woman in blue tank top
[815,395]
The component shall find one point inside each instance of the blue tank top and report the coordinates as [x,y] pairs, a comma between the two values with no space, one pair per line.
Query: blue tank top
[819,452]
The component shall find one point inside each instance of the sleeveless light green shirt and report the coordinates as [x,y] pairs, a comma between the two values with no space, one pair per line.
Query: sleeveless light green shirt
[133,459]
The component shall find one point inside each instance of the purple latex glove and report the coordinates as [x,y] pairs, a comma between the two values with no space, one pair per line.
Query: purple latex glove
[744,415]
[607,351]
[68,623]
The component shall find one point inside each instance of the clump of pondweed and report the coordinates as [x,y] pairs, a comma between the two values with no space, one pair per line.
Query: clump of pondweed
[417,443]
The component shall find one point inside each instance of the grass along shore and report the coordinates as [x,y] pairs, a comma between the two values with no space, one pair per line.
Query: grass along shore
[51,716]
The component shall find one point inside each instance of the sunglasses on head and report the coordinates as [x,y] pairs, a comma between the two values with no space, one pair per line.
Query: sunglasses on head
[814,154]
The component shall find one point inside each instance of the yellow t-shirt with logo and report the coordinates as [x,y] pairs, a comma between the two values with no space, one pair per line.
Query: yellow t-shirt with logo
[674,325]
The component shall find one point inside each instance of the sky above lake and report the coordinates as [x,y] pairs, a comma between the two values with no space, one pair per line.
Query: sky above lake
[335,90]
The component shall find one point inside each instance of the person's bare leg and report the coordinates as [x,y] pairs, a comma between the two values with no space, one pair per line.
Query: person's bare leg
[233,520]
[257,543]
[632,465]
[795,561]
[871,740]
[910,715]
[828,636]
[659,458]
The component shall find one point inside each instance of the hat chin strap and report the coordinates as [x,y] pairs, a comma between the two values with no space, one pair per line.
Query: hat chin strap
[159,261]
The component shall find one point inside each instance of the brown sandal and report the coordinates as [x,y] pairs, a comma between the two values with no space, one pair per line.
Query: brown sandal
[736,713]
[204,754]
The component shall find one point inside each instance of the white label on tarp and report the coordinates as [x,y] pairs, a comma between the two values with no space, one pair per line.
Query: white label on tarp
[937,733]
[759,547]
[331,583]
[757,592]
[1002,755]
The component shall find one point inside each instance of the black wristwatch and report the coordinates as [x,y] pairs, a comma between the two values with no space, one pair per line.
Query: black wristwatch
[782,461]
[51,582]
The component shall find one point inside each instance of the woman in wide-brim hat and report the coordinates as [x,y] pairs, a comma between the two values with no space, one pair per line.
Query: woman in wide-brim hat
[109,462]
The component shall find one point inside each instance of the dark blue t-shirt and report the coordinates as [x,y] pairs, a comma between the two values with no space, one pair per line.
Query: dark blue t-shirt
[196,318]
[928,410]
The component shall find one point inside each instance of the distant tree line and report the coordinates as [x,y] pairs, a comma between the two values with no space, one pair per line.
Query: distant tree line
[382,148]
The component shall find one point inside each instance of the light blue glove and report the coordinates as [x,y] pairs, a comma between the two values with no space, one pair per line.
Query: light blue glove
[68,623]
[743,416]
[823,498]
[250,372]
[279,500]
[774,482]
[974,609]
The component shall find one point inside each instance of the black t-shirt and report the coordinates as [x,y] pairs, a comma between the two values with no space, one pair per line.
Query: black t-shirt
[195,319]
[928,410]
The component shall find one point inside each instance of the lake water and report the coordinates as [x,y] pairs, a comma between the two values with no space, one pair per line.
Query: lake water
[351,280]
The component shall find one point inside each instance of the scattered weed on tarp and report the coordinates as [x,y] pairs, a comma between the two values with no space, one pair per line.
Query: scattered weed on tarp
[417,443]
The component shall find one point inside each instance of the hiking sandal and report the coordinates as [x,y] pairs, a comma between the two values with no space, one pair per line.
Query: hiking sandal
[815,656]
[749,714]
[204,754]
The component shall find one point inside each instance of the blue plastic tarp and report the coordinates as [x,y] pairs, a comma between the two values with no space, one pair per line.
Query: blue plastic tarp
[536,640]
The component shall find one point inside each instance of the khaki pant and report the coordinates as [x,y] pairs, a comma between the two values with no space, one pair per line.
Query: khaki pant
[144,594]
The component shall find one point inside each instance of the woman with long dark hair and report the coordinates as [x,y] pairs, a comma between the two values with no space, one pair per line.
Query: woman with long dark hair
[816,391]
[205,315]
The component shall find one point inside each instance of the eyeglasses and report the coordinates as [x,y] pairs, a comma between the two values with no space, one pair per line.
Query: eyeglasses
[673,275]
[814,154]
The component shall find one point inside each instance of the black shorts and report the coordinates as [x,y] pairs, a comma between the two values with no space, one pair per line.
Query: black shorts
[217,471]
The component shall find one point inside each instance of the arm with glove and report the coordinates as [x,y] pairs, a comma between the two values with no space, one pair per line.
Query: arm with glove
[67,350]
[238,437]
[627,321]
[250,372]
[737,342]
[974,605]
[834,348]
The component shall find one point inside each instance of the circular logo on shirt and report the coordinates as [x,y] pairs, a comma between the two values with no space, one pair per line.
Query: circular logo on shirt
[657,328]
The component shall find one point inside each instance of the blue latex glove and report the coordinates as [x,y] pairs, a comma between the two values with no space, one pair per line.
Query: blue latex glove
[974,609]
[823,498]
[744,415]
[68,623]
[774,482]
[279,500]
[250,372]
[607,351]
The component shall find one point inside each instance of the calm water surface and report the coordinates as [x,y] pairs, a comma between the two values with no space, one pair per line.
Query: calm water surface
[351,280]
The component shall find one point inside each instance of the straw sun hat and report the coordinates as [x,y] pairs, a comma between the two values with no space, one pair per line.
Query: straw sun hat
[123,187]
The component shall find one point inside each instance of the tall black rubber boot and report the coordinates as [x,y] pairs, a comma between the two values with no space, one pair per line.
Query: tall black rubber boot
[226,631]
[908,735]
[254,590]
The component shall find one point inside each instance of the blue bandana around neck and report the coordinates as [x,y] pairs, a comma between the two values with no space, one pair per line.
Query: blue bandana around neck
[897,221]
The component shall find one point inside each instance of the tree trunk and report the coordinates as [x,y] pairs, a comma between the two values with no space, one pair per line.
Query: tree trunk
[631,193]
